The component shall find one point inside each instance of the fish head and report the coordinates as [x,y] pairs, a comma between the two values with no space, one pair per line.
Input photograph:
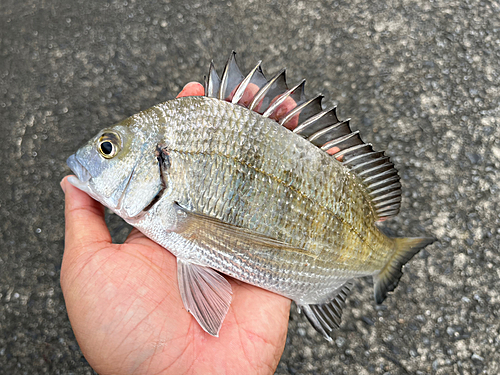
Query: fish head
[118,167]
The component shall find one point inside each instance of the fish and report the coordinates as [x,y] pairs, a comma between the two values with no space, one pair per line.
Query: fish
[255,181]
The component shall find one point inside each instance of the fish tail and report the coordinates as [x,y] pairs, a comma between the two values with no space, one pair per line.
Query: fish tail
[388,278]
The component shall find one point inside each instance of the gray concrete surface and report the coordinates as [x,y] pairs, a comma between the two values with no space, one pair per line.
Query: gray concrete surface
[419,78]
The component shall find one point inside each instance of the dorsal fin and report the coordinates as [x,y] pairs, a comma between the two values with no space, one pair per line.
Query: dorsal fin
[306,117]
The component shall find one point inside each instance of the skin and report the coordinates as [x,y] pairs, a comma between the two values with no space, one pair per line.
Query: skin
[124,305]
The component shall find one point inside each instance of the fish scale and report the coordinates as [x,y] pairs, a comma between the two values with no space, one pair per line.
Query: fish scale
[231,124]
[226,187]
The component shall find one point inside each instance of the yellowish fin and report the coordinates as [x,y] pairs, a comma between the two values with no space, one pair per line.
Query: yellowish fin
[388,278]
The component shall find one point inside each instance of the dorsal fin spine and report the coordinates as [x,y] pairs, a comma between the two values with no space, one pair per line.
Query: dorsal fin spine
[351,149]
[377,176]
[370,156]
[262,92]
[371,171]
[311,120]
[298,109]
[386,188]
[281,99]
[299,93]
[244,84]
[213,82]
[336,141]
[231,78]
[382,198]
[225,76]
[383,182]
[390,211]
[388,202]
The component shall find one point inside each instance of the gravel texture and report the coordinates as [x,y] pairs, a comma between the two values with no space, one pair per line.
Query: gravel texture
[418,78]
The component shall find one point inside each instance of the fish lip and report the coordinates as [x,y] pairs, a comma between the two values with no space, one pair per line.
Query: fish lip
[78,169]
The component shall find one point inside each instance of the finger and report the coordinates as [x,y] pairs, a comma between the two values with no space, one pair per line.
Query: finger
[192,89]
[134,235]
[279,113]
[85,225]
[283,109]
[333,151]
[249,94]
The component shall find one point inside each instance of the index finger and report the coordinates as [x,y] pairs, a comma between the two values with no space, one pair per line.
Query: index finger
[192,89]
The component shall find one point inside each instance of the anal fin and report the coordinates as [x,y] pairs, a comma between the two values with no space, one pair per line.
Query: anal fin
[206,294]
[326,317]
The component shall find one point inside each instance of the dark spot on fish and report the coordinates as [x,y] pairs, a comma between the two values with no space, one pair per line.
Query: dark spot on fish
[163,157]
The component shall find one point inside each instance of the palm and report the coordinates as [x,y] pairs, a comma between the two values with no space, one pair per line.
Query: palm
[127,314]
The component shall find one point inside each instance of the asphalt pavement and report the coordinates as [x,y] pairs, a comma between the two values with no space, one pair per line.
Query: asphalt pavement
[419,79]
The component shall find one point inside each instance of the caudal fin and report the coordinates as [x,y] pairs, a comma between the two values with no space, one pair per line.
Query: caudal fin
[388,278]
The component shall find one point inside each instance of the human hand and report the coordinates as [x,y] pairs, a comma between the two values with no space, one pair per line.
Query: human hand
[126,312]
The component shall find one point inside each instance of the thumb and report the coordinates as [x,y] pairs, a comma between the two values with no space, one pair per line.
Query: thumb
[85,225]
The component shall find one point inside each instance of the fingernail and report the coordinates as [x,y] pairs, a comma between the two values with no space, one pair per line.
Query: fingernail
[63,186]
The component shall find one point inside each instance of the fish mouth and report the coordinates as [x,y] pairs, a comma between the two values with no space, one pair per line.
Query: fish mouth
[82,175]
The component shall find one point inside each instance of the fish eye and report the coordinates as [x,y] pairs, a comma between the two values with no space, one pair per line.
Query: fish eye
[109,144]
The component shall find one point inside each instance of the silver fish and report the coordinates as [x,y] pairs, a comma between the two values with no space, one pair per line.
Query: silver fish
[240,182]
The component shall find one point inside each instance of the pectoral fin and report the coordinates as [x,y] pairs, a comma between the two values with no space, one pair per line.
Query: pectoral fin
[211,232]
[206,294]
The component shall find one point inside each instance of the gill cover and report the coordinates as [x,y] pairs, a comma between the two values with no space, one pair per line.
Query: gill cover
[144,185]
[121,148]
